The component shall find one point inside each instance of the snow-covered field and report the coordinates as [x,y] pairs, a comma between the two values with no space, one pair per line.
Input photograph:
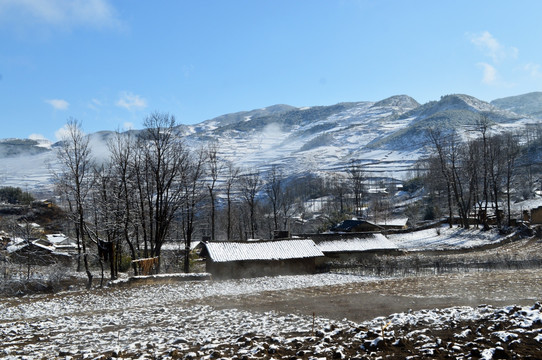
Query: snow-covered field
[207,319]
[446,238]
[173,321]
[161,315]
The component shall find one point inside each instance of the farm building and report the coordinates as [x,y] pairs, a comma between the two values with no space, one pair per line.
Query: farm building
[252,259]
[345,248]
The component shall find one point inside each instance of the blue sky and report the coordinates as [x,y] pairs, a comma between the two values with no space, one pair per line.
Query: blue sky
[111,63]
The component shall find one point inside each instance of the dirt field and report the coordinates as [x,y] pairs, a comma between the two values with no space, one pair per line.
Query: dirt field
[364,301]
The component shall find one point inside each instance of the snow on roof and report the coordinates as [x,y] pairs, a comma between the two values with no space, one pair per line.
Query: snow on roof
[32,225]
[21,244]
[265,250]
[526,205]
[179,245]
[59,239]
[393,222]
[368,243]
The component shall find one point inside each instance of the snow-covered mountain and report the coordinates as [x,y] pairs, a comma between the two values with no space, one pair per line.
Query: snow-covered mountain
[385,137]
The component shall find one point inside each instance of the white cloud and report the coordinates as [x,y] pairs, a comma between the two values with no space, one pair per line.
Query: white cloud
[63,13]
[58,104]
[492,48]
[533,70]
[490,73]
[95,104]
[36,137]
[62,133]
[131,101]
[128,125]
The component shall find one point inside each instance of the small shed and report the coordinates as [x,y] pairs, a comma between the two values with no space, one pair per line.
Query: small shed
[261,258]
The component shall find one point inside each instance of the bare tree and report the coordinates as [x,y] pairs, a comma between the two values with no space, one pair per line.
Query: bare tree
[339,189]
[512,151]
[76,181]
[122,149]
[274,192]
[483,127]
[231,184]
[357,177]
[193,193]
[496,167]
[215,167]
[436,138]
[288,205]
[158,167]
[250,184]
[106,212]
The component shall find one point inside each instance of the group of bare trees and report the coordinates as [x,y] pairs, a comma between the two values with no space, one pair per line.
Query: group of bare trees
[475,176]
[153,189]
[131,199]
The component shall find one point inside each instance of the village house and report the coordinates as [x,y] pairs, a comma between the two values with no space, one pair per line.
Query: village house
[62,243]
[260,258]
[35,252]
[356,226]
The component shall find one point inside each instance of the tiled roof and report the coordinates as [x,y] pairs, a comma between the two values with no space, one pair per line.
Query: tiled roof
[262,250]
[367,243]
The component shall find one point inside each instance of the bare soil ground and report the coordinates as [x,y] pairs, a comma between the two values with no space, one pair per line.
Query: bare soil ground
[364,301]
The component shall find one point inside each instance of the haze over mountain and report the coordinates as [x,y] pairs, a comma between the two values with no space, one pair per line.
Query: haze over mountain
[386,137]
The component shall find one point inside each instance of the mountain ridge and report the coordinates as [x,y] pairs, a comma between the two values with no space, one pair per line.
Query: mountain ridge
[386,137]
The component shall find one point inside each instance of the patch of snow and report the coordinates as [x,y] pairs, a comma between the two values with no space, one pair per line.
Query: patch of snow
[444,237]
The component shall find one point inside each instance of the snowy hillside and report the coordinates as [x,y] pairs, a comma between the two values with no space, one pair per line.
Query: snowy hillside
[526,104]
[385,137]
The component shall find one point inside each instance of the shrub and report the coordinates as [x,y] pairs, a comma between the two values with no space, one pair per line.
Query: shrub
[125,263]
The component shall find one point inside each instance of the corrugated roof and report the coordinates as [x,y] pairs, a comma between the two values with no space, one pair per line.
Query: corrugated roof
[368,243]
[265,250]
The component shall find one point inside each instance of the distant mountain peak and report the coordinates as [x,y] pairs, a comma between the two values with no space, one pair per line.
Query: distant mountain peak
[403,101]
[464,102]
